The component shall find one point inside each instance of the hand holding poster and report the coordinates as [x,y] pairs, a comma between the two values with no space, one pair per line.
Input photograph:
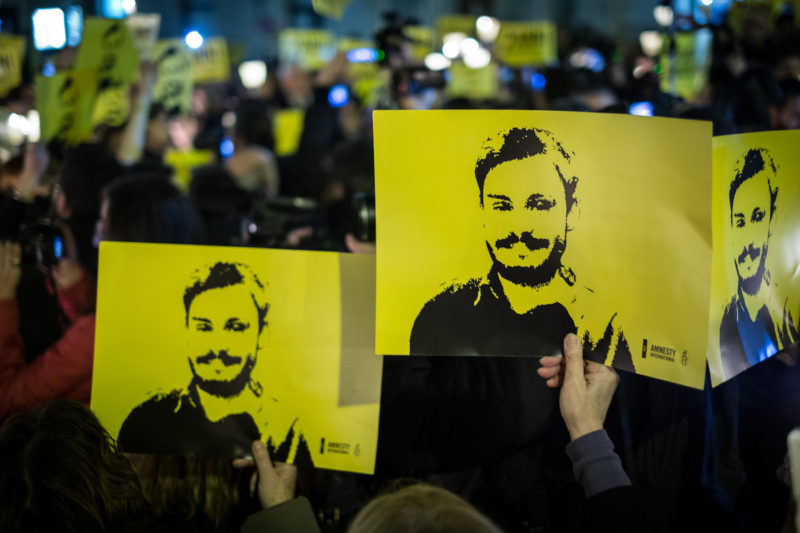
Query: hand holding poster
[243,344]
[755,299]
[504,230]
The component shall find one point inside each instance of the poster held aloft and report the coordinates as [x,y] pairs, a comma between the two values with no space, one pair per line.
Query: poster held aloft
[685,63]
[226,356]
[755,302]
[12,55]
[522,44]
[473,83]
[308,49]
[330,8]
[534,226]
[210,62]
[174,85]
[65,102]
[144,29]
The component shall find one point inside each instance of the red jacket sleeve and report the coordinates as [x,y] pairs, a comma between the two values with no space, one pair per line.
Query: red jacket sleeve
[78,299]
[64,370]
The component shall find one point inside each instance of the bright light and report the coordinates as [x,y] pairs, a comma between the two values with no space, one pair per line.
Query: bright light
[487,28]
[18,128]
[707,2]
[193,40]
[469,46]
[338,96]
[663,15]
[588,58]
[49,29]
[129,6]
[253,74]
[436,61]
[641,109]
[34,130]
[451,49]
[228,119]
[362,55]
[49,69]
[74,25]
[538,81]
[650,42]
[478,58]
[226,148]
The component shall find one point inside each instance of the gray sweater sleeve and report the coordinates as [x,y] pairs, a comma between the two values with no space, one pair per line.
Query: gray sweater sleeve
[594,463]
[294,516]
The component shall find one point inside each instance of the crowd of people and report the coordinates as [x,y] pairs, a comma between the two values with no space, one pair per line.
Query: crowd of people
[465,444]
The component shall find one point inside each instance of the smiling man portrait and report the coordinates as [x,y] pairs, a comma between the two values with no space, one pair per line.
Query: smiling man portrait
[225,317]
[524,305]
[754,326]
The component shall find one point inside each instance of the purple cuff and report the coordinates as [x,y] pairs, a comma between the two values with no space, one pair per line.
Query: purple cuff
[594,463]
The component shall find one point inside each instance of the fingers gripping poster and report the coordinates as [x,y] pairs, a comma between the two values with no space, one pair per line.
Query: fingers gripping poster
[755,300]
[201,350]
[501,231]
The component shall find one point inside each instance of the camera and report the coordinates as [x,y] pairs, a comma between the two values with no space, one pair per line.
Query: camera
[42,243]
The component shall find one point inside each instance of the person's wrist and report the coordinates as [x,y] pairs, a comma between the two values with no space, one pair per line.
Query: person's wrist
[577,431]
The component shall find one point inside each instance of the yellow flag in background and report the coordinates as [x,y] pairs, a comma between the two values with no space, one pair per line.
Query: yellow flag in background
[423,40]
[501,231]
[12,55]
[287,126]
[210,62]
[174,85]
[755,289]
[456,24]
[521,44]
[199,350]
[144,32]
[686,74]
[308,49]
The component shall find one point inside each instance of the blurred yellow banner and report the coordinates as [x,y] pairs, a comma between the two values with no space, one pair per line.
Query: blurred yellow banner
[330,8]
[456,24]
[755,282]
[12,55]
[201,350]
[65,102]
[501,231]
[287,126]
[686,74]
[521,44]
[210,62]
[473,83]
[309,49]
[174,85]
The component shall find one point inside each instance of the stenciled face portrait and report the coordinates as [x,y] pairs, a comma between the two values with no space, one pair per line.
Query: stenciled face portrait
[749,236]
[525,219]
[222,339]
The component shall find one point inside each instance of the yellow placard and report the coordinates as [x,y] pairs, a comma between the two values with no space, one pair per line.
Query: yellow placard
[473,83]
[200,350]
[144,32]
[685,69]
[108,47]
[65,102]
[330,8]
[210,62]
[755,298]
[569,232]
[184,161]
[12,54]
[309,49]
[521,44]
[174,85]
[456,24]
[423,40]
[287,125]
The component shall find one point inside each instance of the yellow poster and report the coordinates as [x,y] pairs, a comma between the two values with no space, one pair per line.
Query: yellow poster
[201,350]
[685,68]
[309,49]
[12,55]
[755,298]
[456,24]
[144,32]
[210,62]
[174,85]
[501,231]
[473,83]
[521,44]
[330,8]
[65,102]
[184,161]
[287,126]
[423,40]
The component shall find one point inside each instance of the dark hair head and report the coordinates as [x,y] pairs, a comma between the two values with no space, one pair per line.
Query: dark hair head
[87,169]
[521,143]
[62,472]
[254,125]
[221,275]
[421,508]
[753,162]
[148,208]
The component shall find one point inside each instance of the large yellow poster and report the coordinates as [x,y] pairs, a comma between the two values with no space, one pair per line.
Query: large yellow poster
[200,350]
[755,299]
[500,231]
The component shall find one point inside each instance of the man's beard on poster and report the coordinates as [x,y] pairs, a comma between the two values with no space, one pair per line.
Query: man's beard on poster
[753,283]
[223,388]
[530,276]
